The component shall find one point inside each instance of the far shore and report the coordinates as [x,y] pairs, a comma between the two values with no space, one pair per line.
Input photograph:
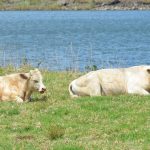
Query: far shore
[105,5]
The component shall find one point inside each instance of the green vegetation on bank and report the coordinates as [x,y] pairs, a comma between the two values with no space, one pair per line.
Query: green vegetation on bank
[55,121]
[73,4]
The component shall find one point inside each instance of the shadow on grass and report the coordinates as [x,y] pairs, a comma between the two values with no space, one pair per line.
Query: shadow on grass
[25,137]
[40,99]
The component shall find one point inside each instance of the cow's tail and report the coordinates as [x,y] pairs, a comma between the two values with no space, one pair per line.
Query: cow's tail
[71,91]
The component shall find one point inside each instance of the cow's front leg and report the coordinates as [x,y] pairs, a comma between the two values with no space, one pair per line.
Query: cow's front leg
[28,96]
[12,97]
[144,92]
[139,91]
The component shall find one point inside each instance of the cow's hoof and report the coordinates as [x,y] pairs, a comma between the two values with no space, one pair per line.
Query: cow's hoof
[19,100]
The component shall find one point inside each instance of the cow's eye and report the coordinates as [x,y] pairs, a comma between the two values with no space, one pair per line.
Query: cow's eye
[36,81]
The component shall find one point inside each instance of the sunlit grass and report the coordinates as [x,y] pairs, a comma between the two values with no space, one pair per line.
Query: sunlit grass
[55,121]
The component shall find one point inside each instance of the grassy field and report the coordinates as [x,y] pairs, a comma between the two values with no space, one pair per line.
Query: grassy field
[55,121]
[69,4]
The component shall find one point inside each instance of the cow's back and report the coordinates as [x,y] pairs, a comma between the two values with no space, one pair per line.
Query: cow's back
[10,85]
[85,79]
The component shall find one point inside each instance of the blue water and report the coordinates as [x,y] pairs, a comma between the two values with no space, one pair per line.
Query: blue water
[60,40]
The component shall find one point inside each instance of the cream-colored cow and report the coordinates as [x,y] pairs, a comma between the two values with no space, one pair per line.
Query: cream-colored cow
[132,80]
[19,87]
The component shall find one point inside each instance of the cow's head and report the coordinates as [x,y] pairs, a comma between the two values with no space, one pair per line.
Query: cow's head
[35,81]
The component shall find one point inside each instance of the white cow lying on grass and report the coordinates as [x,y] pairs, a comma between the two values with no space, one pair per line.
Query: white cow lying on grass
[133,80]
[19,87]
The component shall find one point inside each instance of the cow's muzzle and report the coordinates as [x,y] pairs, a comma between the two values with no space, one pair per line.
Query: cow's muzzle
[42,90]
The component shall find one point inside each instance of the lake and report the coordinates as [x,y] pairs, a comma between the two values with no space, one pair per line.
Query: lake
[64,40]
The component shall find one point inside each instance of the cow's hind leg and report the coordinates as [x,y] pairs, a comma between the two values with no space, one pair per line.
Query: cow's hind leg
[86,86]
[95,89]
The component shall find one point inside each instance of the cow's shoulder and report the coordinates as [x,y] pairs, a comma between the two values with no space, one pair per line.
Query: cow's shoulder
[139,69]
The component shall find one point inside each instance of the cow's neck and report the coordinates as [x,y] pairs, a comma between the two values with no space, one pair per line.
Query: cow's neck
[27,95]
[27,90]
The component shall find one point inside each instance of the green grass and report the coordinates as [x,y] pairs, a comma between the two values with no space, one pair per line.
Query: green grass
[55,121]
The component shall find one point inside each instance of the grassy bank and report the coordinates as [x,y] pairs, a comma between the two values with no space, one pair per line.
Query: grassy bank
[54,121]
[73,4]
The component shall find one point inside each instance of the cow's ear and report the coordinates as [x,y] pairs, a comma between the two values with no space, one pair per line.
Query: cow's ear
[31,72]
[24,76]
[148,70]
[36,69]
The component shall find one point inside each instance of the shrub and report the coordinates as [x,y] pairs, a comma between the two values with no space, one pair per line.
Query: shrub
[55,132]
